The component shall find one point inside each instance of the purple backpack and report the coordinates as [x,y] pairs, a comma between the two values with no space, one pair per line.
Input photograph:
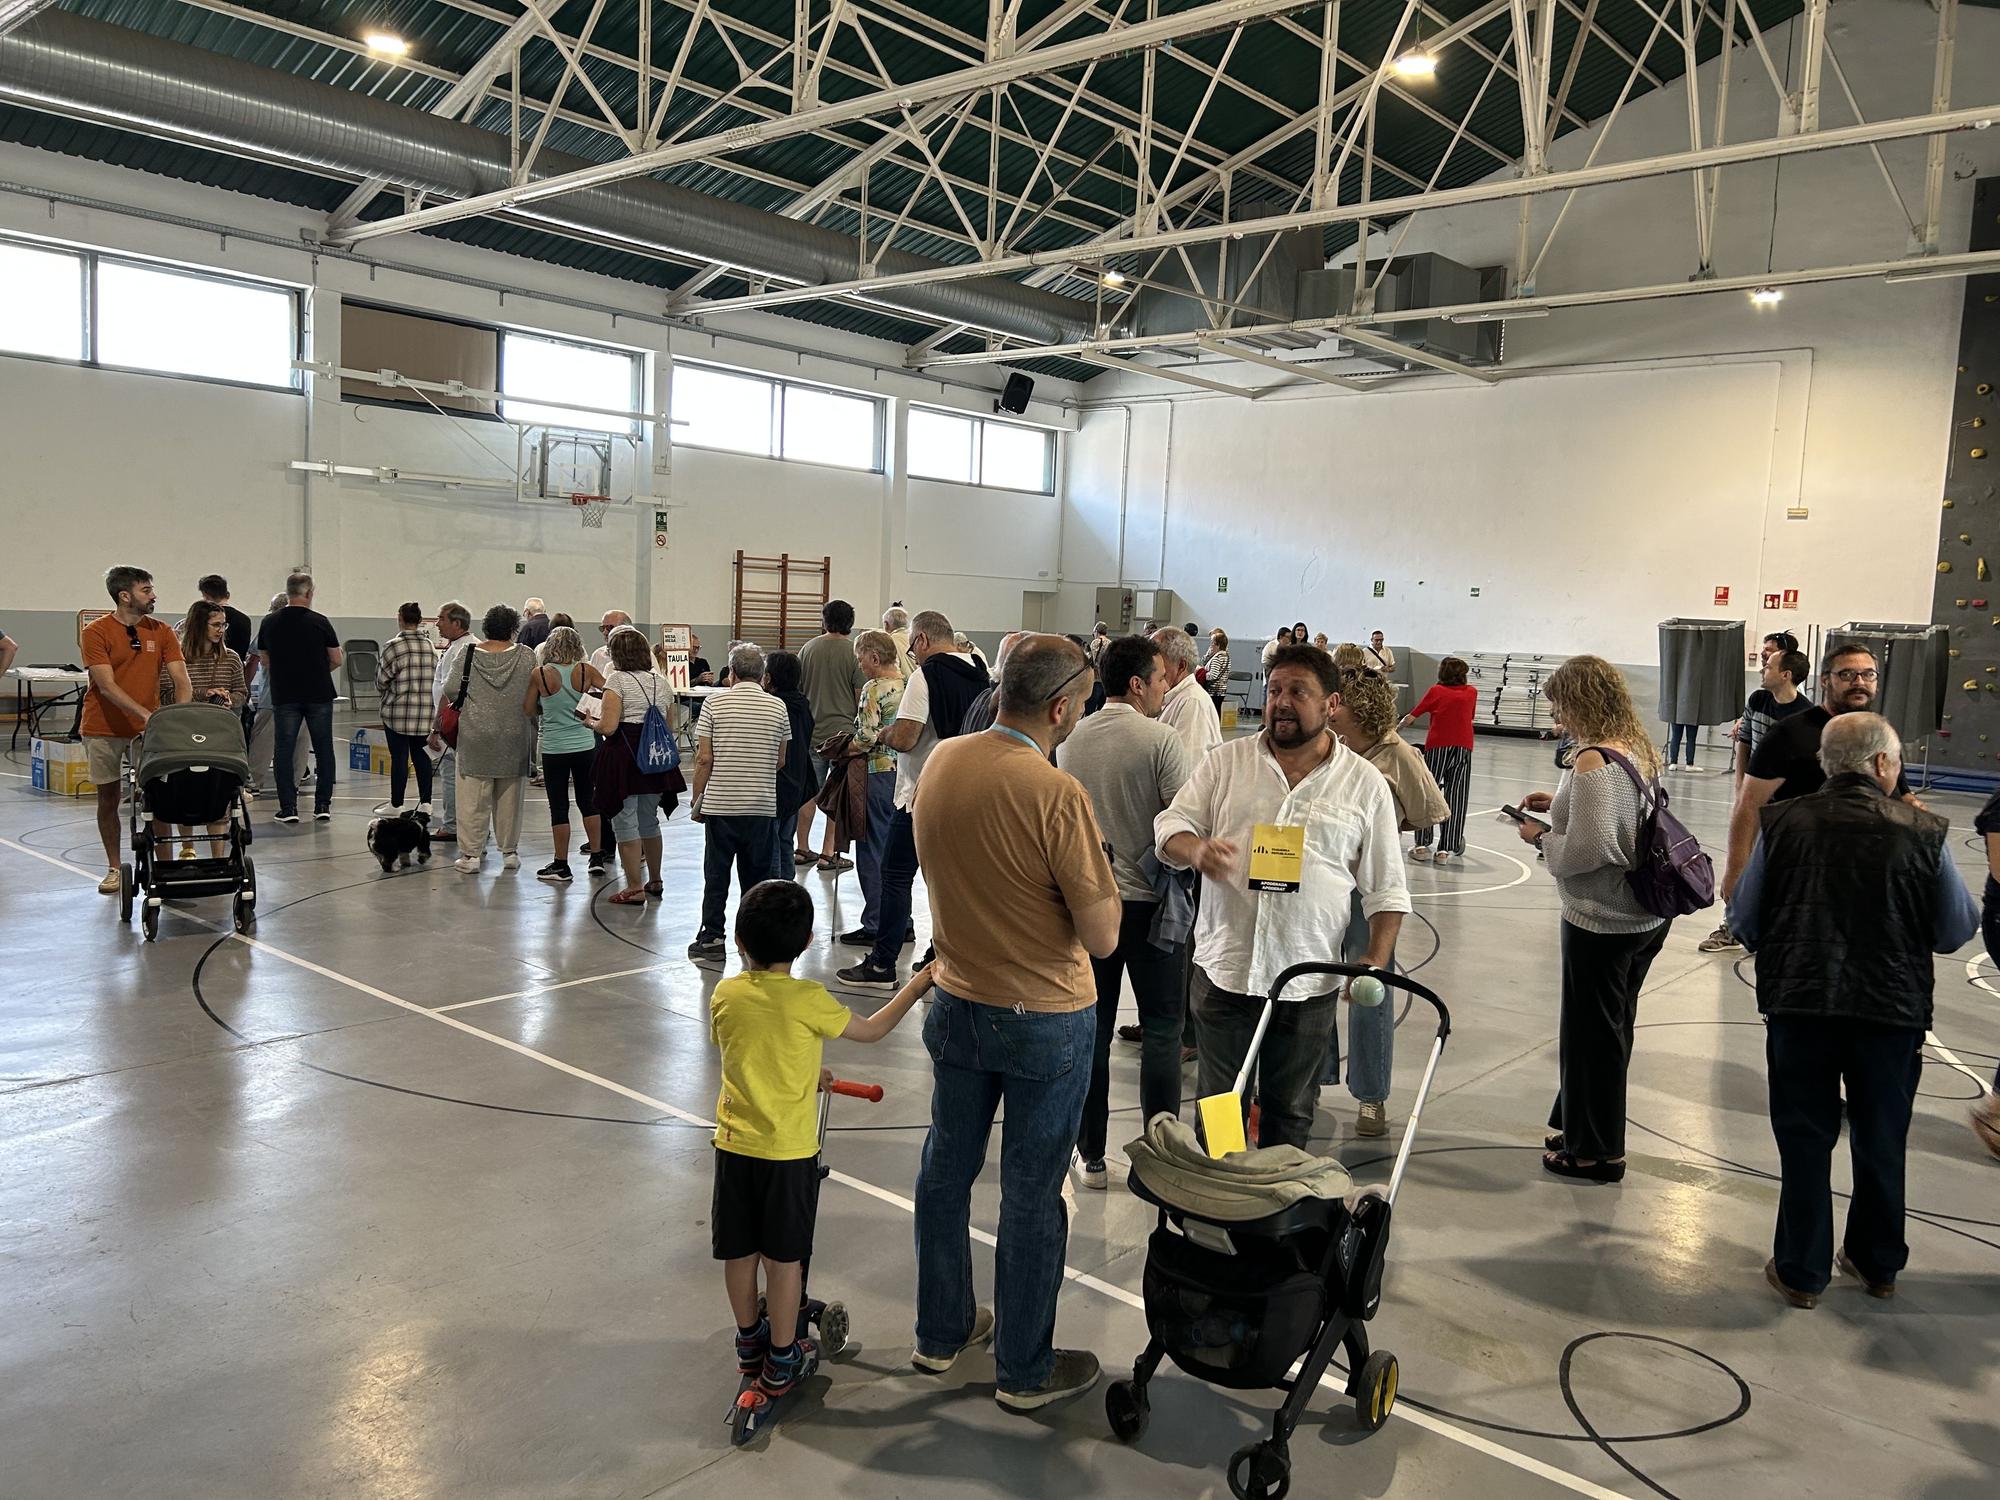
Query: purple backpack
[1673,877]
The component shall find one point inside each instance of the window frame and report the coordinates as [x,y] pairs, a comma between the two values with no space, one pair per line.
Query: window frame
[979,425]
[634,362]
[780,384]
[89,312]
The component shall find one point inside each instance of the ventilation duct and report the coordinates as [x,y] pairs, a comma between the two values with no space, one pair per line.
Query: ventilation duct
[1414,281]
[70,65]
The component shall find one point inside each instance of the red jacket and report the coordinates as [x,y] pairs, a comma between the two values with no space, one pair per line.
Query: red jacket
[1450,712]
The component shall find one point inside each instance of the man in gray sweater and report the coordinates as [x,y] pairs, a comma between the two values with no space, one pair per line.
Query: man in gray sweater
[1131,764]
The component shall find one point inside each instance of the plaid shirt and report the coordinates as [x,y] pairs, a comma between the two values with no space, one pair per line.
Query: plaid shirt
[403,678]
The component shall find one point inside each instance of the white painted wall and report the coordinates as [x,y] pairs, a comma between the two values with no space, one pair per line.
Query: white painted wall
[184,477]
[1592,501]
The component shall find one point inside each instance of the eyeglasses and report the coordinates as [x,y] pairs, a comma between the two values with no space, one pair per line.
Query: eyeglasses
[1063,686]
[1856,674]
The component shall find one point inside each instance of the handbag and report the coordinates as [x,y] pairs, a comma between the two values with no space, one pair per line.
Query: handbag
[447,725]
[1673,878]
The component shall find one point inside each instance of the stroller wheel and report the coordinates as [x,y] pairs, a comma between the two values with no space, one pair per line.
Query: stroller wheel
[125,888]
[149,919]
[1261,1471]
[1128,1410]
[1375,1390]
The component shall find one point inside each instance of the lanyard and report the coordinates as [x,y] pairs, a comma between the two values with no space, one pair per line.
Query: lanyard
[1027,740]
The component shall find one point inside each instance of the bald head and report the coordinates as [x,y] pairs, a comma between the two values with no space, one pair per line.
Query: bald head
[1007,644]
[613,618]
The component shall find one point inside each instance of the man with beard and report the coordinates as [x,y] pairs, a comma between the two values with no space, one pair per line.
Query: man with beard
[123,653]
[1022,898]
[1785,763]
[1292,787]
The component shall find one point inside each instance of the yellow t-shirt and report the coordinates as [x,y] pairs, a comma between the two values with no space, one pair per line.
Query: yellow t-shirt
[772,1031]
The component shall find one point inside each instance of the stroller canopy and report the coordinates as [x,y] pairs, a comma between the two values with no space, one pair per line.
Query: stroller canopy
[1240,1188]
[192,736]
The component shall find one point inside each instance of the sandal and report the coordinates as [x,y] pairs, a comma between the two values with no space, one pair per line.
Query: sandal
[1553,1141]
[835,865]
[654,890]
[800,857]
[1565,1164]
[629,898]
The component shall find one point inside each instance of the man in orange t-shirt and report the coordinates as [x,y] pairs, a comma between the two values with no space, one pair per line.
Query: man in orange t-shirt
[124,652]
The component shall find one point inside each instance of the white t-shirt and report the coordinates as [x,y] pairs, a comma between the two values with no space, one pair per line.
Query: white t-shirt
[916,707]
[444,686]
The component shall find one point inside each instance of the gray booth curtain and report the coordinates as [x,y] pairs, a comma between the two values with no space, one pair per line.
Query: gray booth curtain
[1701,671]
[1915,663]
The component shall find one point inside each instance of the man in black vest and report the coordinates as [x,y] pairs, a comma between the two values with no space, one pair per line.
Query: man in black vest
[1844,899]
[934,705]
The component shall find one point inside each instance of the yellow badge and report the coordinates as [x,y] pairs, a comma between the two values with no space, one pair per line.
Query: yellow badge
[1277,854]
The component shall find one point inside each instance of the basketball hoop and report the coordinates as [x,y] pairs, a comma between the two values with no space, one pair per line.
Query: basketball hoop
[591,508]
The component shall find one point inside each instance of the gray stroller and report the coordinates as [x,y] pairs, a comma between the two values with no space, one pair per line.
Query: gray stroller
[189,767]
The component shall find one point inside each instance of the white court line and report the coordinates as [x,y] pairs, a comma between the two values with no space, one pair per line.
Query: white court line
[543,989]
[1574,1483]
[1930,1037]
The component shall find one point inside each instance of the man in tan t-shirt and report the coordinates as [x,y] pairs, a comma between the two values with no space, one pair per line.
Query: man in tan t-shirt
[1022,897]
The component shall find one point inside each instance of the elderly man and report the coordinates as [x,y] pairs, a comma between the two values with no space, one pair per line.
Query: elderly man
[1293,784]
[1846,894]
[1377,656]
[535,624]
[896,621]
[986,707]
[932,710]
[739,744]
[1132,766]
[601,657]
[1188,709]
[454,628]
[1022,897]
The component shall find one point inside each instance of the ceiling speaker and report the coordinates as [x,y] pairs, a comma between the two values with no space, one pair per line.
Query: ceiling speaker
[1014,396]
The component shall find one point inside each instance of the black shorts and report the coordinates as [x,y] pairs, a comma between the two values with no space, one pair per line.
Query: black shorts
[764,1207]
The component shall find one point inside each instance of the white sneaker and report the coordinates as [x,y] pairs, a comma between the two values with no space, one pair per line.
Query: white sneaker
[110,884]
[511,862]
[466,864]
[1091,1174]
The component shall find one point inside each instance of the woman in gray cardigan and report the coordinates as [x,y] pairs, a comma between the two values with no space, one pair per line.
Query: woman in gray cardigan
[1609,940]
[495,740]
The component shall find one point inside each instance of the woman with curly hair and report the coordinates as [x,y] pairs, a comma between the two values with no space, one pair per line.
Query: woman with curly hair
[1609,940]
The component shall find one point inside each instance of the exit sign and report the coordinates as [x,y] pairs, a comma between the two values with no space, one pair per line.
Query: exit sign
[520,567]
[1222,585]
[1381,587]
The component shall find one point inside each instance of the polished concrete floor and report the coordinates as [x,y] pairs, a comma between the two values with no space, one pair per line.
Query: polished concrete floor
[408,1197]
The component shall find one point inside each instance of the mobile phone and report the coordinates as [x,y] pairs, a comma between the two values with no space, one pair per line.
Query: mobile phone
[1525,817]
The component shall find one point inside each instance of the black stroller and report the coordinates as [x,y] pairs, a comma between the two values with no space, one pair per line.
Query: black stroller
[189,767]
[1239,1292]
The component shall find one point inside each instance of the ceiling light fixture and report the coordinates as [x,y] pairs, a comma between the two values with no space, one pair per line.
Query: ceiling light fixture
[1767,296]
[1113,278]
[1416,61]
[1498,315]
[386,44]
[1926,273]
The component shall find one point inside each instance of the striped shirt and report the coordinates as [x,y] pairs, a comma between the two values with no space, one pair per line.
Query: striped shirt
[404,678]
[747,730]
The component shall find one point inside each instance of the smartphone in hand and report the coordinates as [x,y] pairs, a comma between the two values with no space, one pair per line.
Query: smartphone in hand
[1525,817]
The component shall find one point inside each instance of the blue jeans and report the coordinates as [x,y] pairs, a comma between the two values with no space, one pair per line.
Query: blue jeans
[1371,1030]
[638,817]
[1038,1064]
[318,721]
[899,874]
[447,772]
[742,842]
[1675,737]
[868,849]
[785,833]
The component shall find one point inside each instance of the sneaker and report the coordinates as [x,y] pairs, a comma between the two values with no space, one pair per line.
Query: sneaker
[1421,855]
[466,864]
[556,873]
[785,1368]
[861,937]
[1719,941]
[512,861]
[751,1348]
[1372,1119]
[323,816]
[385,810]
[1131,1034]
[1074,1372]
[598,866]
[982,1334]
[863,976]
[286,817]
[707,951]
[1091,1174]
[111,884]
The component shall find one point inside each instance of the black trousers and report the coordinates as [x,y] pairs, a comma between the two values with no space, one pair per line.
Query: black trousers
[1602,974]
[404,750]
[1285,1082]
[1157,987]
[1807,1060]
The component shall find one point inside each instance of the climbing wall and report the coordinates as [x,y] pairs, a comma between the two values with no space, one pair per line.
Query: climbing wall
[1968,568]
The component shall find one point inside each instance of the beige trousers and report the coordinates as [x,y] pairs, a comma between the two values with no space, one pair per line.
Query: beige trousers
[484,800]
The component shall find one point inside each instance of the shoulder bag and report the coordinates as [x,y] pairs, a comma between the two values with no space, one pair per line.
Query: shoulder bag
[448,713]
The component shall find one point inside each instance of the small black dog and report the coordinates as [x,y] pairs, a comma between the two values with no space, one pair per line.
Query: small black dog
[397,837]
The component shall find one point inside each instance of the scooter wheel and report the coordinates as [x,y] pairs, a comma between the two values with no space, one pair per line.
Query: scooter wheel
[1375,1390]
[833,1328]
[1128,1410]
[125,889]
[1260,1471]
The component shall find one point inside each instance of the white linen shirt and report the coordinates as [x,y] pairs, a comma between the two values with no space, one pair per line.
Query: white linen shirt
[1190,713]
[1244,939]
[444,686]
